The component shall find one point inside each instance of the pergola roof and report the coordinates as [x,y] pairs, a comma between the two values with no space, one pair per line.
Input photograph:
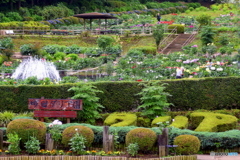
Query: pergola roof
[95,15]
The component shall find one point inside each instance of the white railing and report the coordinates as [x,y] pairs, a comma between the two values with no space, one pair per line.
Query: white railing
[166,40]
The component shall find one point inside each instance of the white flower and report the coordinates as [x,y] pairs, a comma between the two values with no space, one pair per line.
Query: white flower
[76,129]
[213,68]
[173,120]
[50,125]
[219,69]
[57,122]
[235,62]
[208,70]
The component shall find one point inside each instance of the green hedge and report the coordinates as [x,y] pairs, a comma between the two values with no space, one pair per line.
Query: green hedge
[211,141]
[187,94]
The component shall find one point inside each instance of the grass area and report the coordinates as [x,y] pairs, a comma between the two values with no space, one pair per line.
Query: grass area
[208,12]
[40,41]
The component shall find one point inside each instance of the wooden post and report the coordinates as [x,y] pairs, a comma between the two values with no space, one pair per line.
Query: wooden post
[1,139]
[165,139]
[49,142]
[105,138]
[163,142]
[68,120]
[162,150]
[108,140]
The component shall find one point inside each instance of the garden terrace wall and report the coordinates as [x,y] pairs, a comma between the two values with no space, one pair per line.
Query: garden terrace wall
[187,94]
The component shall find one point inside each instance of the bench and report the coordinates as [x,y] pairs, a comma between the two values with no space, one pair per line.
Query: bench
[64,108]
[9,32]
[60,32]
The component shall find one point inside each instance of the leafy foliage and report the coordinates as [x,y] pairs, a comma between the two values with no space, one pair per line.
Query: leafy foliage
[207,35]
[85,131]
[158,33]
[204,19]
[14,146]
[56,133]
[77,143]
[154,100]
[91,107]
[132,149]
[105,41]
[32,145]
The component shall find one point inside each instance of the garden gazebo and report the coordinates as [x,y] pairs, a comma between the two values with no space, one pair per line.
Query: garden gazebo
[95,15]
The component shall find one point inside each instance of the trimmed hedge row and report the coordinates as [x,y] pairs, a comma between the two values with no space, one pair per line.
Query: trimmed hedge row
[211,140]
[187,94]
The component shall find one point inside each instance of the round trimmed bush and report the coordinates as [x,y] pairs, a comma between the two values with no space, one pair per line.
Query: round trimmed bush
[25,128]
[144,137]
[69,132]
[187,144]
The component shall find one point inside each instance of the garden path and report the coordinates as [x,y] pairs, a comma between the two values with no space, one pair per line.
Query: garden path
[208,157]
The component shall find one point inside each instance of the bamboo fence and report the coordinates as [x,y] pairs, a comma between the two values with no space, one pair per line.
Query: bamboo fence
[66,157]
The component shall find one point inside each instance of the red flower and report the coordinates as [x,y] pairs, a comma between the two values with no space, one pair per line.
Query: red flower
[139,80]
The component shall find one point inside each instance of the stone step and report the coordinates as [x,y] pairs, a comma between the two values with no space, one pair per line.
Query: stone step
[177,44]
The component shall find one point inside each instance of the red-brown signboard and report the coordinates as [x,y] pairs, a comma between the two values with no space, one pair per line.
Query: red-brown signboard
[55,104]
[64,114]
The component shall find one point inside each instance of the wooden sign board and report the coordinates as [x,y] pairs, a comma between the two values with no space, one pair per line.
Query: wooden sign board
[55,104]
[64,114]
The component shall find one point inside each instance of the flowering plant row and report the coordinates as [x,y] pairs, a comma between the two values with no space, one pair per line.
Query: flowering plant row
[88,152]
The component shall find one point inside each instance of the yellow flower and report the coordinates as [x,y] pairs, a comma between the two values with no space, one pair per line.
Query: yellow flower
[208,70]
[197,69]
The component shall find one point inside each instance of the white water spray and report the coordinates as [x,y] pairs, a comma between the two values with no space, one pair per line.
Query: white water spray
[39,68]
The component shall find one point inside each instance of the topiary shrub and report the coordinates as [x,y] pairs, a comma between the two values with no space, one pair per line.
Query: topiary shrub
[212,122]
[25,128]
[160,120]
[180,122]
[179,27]
[69,132]
[121,119]
[187,144]
[144,137]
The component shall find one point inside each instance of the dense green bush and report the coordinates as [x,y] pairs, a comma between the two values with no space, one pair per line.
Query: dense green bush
[29,49]
[226,140]
[144,137]
[179,27]
[25,128]
[147,50]
[69,132]
[187,144]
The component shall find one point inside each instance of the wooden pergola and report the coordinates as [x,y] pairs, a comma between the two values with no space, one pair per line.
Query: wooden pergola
[95,15]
